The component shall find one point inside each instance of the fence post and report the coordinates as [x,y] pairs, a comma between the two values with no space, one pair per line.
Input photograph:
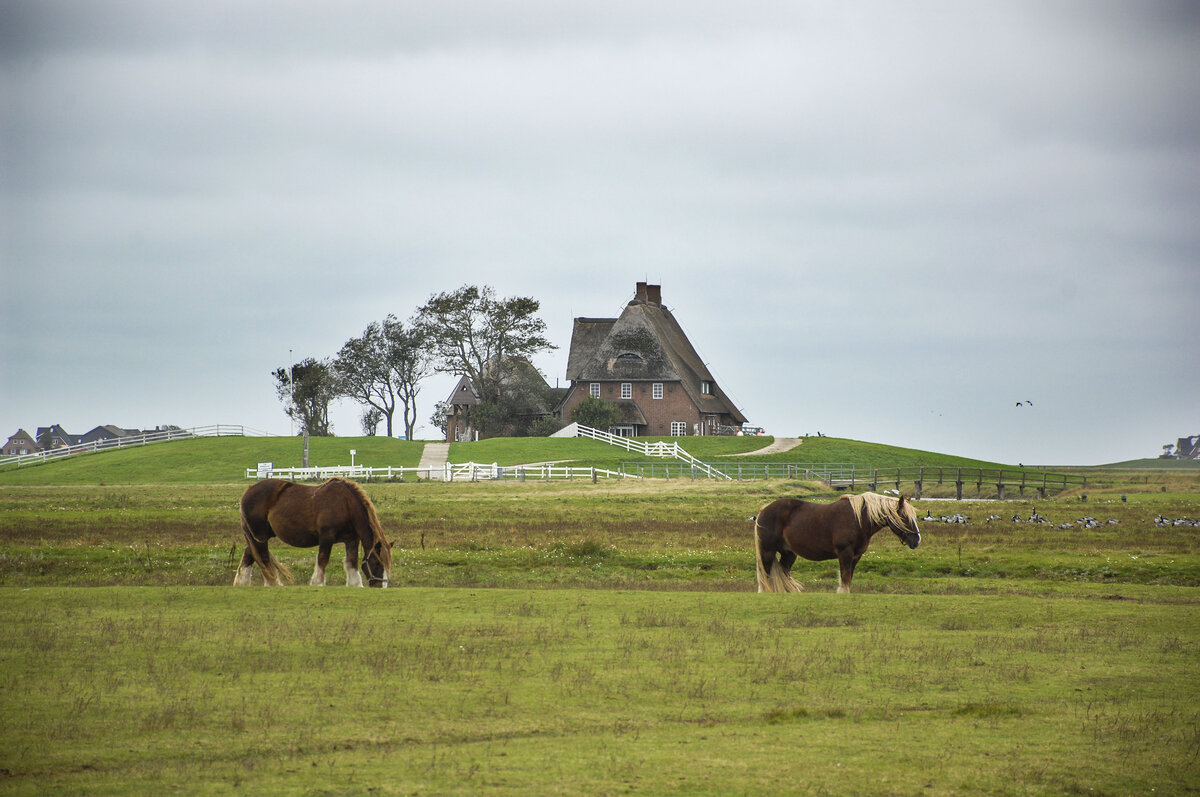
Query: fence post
[958,483]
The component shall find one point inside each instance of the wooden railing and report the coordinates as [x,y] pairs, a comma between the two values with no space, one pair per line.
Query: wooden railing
[1003,479]
[748,471]
[157,436]
[659,449]
[466,471]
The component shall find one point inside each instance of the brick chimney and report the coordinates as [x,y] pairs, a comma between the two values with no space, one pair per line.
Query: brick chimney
[649,294]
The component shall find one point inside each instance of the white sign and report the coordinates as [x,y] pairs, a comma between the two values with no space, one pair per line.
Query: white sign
[264,469]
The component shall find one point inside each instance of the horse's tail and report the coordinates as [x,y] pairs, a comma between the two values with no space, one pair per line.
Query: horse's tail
[273,570]
[773,580]
[762,578]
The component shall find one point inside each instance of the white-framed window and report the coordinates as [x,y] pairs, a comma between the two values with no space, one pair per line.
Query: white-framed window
[706,388]
[656,390]
[626,390]
[594,390]
[678,428]
[621,431]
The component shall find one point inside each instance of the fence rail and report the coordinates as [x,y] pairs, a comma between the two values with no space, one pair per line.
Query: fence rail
[1002,479]
[659,449]
[747,471]
[108,444]
[466,471]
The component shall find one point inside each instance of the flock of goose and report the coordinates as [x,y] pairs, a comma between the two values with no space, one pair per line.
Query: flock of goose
[1161,521]
[1084,522]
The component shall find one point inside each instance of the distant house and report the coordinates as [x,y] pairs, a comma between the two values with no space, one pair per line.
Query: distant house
[525,393]
[462,398]
[20,443]
[644,363]
[52,437]
[107,433]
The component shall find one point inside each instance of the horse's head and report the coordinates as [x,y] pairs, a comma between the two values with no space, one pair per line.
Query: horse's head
[377,564]
[906,529]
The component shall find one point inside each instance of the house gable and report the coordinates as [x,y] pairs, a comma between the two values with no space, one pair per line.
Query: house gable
[20,443]
[646,344]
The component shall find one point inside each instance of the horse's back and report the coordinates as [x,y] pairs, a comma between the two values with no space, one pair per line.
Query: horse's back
[811,530]
[778,513]
[259,497]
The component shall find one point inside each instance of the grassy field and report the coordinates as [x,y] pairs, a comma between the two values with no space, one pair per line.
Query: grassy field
[225,459]
[462,691]
[570,638]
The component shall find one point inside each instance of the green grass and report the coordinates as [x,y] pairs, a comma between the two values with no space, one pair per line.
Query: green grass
[570,638]
[528,450]
[647,535]
[225,459]
[1157,464]
[207,460]
[467,691]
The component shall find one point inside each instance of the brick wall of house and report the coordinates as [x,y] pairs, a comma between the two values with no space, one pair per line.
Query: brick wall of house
[675,405]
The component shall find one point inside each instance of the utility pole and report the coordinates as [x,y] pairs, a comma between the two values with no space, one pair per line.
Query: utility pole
[292,392]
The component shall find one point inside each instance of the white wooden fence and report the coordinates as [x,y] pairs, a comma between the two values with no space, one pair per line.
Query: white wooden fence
[158,436]
[659,449]
[466,471]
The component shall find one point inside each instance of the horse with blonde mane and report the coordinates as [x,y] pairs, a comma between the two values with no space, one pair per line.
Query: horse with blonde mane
[788,528]
[337,511]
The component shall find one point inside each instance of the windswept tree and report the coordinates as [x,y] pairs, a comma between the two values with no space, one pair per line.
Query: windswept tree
[473,333]
[306,389]
[382,370]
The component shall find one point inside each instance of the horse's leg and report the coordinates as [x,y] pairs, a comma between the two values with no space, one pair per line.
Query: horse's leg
[353,577]
[245,570]
[318,576]
[847,560]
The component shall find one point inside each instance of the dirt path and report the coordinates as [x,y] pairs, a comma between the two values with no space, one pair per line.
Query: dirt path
[434,457]
[781,444]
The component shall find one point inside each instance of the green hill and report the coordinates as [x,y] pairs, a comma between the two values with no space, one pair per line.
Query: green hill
[215,460]
[207,460]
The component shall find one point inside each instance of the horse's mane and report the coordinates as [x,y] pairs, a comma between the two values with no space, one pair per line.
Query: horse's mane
[385,550]
[881,510]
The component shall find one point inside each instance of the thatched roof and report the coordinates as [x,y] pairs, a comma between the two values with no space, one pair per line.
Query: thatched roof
[646,344]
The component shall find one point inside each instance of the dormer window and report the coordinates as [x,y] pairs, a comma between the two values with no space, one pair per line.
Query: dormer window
[629,358]
[706,388]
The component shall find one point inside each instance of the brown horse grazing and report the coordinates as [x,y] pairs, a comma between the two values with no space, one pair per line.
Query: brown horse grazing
[841,530]
[304,516]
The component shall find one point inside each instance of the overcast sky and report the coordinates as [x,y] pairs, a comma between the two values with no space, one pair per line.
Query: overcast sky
[889,222]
